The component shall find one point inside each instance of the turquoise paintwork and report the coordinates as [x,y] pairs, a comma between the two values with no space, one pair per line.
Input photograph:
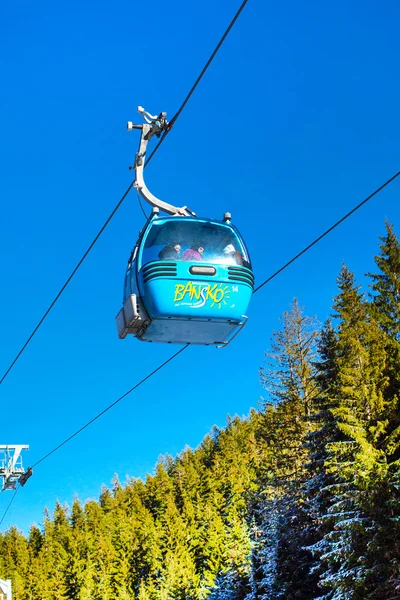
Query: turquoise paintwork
[187,307]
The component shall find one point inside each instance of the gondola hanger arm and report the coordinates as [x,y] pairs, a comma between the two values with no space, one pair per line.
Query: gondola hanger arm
[154,125]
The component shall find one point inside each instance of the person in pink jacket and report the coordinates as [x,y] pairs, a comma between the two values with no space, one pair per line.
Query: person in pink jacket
[194,253]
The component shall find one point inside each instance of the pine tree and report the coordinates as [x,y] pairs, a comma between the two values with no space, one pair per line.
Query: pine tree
[386,284]
[34,575]
[320,482]
[55,552]
[290,378]
[353,462]
[15,561]
[100,548]
[385,307]
[144,552]
[265,536]
[78,584]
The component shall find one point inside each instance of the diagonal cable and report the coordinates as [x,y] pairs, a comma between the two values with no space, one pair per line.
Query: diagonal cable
[100,414]
[66,284]
[186,100]
[186,346]
[9,504]
[199,78]
[319,238]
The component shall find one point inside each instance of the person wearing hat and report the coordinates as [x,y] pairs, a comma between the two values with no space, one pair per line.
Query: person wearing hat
[233,256]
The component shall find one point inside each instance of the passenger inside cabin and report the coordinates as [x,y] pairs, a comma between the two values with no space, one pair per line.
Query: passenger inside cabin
[233,256]
[195,253]
[170,252]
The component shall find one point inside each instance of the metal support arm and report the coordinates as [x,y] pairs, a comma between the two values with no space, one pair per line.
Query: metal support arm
[154,126]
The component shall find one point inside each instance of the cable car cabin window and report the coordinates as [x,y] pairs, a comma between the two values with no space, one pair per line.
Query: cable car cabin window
[194,241]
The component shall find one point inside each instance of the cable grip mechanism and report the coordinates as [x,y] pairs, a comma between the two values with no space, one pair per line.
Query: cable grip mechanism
[154,125]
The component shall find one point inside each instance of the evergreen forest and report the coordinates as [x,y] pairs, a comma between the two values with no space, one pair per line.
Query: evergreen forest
[300,500]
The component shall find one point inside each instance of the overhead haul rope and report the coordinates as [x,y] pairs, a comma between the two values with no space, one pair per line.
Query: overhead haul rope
[65,284]
[292,260]
[9,504]
[173,120]
[319,238]
[111,405]
[196,83]
[100,414]
[185,347]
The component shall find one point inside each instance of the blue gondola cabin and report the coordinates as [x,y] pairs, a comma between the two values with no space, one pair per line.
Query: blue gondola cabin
[188,281]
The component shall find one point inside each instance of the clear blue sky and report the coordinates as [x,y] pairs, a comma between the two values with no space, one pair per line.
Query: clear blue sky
[294,124]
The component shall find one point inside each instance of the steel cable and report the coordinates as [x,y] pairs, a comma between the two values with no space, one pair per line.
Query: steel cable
[173,120]
[384,185]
